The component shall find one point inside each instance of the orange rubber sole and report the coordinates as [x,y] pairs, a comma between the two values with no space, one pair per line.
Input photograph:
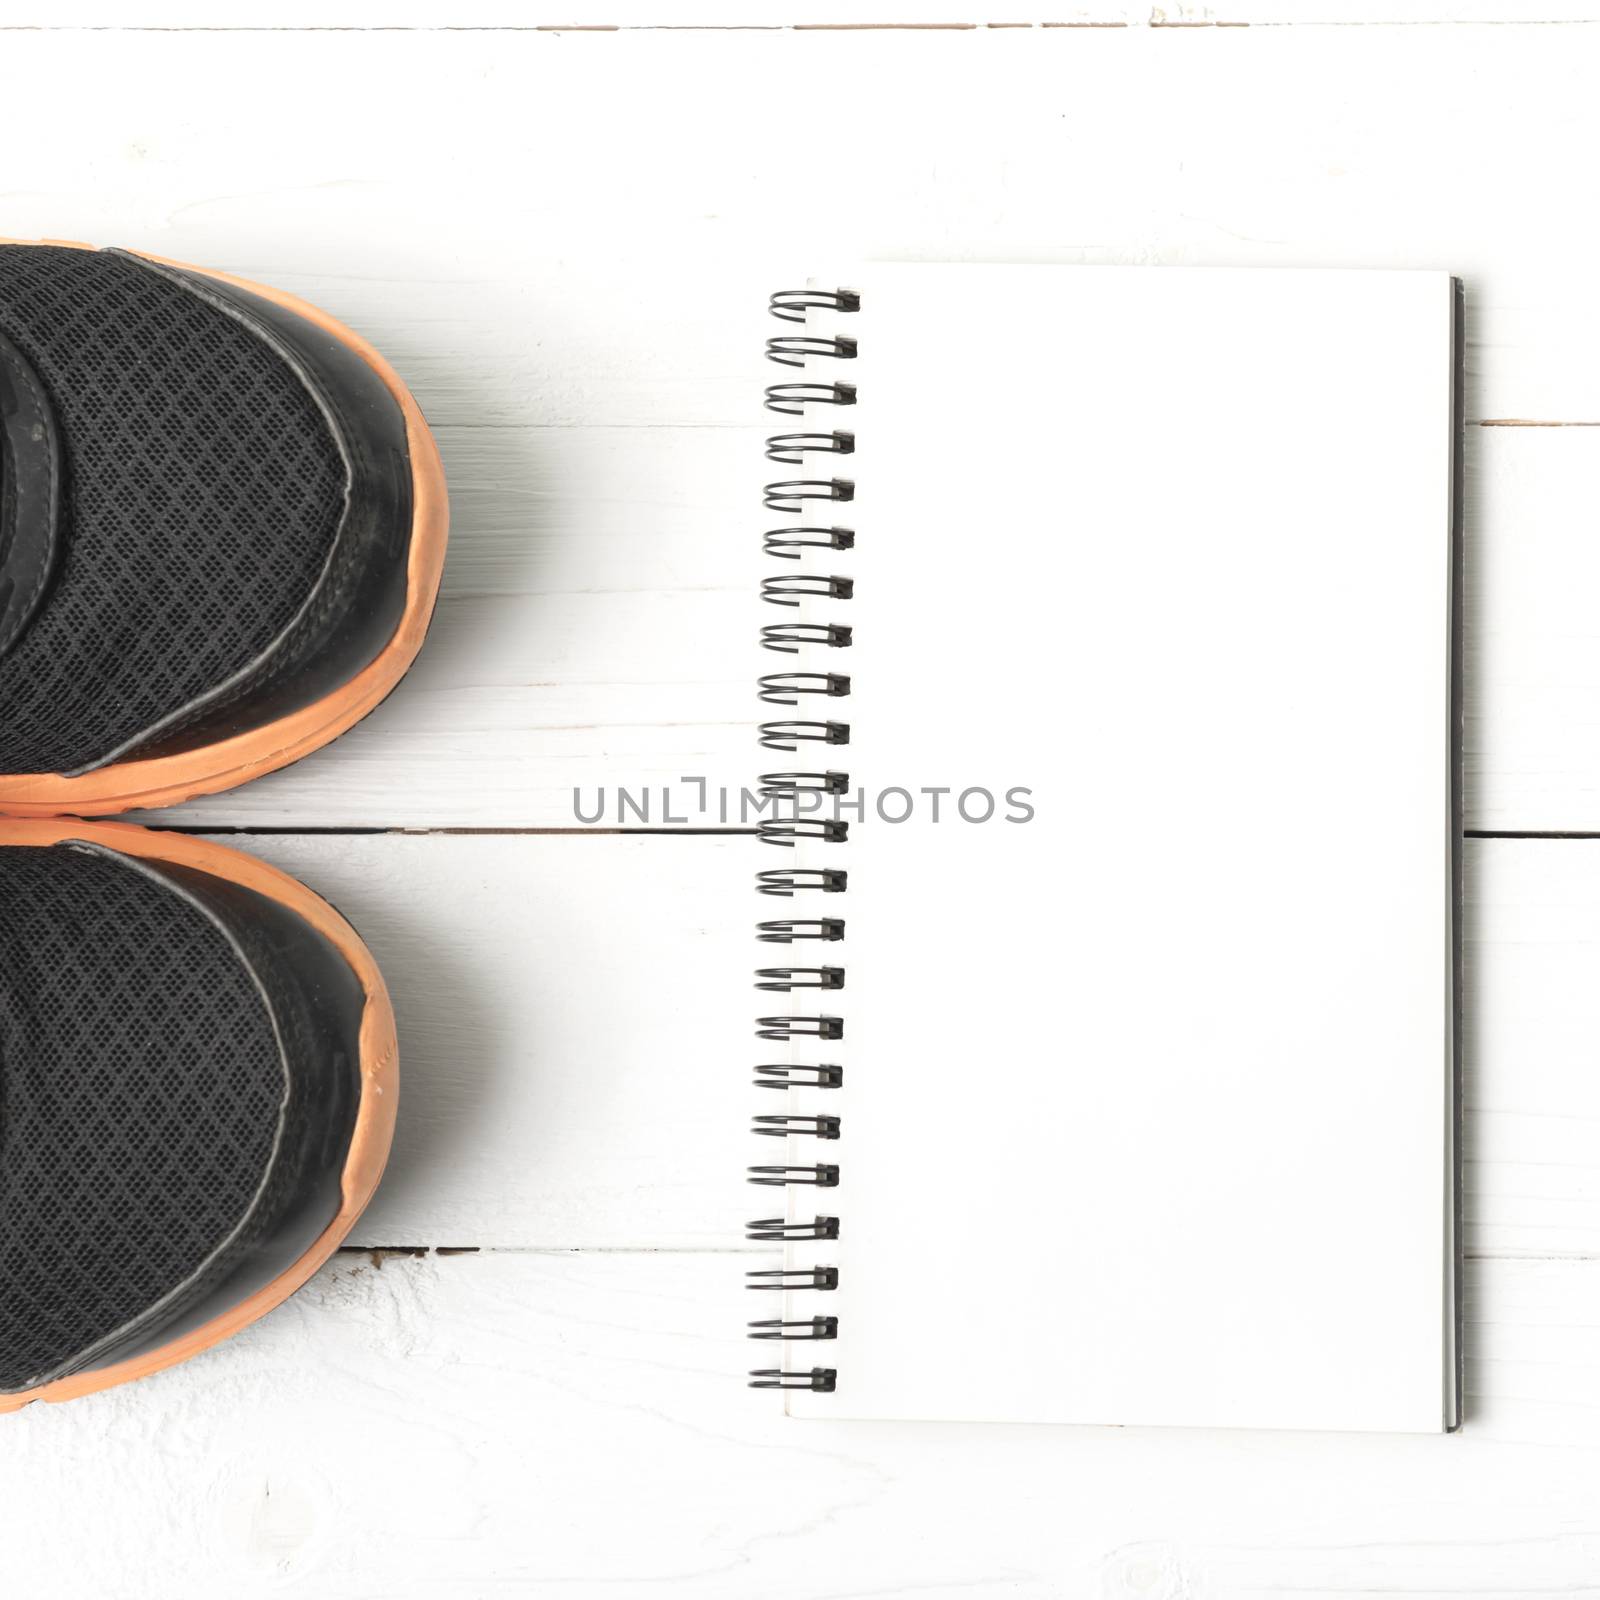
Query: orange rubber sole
[169,780]
[375,1111]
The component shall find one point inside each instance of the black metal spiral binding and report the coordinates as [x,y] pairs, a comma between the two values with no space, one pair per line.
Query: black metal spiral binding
[795,349]
[788,637]
[778,1229]
[791,305]
[815,1328]
[787,832]
[795,791]
[778,1279]
[786,785]
[785,1124]
[789,736]
[782,1075]
[787,881]
[790,931]
[792,448]
[822,1175]
[791,399]
[789,495]
[800,1028]
[785,688]
[820,1380]
[785,980]
[792,588]
[787,543]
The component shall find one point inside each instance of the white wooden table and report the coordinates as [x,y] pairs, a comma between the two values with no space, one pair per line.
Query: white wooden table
[528,1377]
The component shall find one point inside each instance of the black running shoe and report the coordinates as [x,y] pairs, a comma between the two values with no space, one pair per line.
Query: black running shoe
[222,526]
[197,1092]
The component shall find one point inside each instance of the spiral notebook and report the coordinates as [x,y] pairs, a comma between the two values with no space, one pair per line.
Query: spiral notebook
[1109,931]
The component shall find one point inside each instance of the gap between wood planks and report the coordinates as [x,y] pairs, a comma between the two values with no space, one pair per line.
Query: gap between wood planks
[379,1253]
[1154,22]
[607,27]
[248,830]
[262,830]
[626,27]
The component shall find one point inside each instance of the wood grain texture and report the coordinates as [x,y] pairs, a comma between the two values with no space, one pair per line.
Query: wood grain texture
[569,1427]
[580,309]
[778,15]
[575,1032]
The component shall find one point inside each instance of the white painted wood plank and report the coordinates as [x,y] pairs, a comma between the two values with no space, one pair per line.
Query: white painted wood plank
[576,1427]
[584,15]
[1532,726]
[1532,945]
[575,1032]
[577,1015]
[604,286]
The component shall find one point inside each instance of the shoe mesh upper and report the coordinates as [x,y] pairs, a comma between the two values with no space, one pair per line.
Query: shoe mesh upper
[141,1088]
[203,493]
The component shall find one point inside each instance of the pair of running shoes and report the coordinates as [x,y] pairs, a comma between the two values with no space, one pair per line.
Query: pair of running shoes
[222,528]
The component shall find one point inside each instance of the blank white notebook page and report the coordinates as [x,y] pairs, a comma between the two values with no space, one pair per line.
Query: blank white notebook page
[1147,1103]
